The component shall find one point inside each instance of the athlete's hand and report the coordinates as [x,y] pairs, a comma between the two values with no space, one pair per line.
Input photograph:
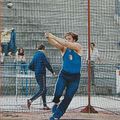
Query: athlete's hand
[46,34]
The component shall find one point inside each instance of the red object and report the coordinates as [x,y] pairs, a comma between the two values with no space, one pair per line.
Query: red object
[89,108]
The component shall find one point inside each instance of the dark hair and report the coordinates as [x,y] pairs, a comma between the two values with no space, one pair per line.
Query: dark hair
[41,47]
[93,44]
[74,36]
[19,52]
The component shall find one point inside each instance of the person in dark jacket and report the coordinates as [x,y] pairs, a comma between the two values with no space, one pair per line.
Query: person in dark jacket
[39,64]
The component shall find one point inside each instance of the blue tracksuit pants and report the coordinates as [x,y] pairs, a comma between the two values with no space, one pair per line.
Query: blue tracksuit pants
[41,80]
[71,83]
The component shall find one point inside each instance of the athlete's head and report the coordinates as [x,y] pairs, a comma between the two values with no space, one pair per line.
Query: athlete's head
[41,47]
[71,37]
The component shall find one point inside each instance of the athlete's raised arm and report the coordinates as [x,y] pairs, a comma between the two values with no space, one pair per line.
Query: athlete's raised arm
[54,42]
[68,42]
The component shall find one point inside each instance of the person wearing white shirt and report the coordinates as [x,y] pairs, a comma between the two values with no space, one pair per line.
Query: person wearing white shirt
[94,57]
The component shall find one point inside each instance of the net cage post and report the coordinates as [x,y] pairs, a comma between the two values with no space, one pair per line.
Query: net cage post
[89,108]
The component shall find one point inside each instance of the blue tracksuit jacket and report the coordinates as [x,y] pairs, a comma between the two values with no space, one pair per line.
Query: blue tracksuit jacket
[39,63]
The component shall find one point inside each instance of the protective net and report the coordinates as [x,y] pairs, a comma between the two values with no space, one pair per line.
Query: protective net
[30,19]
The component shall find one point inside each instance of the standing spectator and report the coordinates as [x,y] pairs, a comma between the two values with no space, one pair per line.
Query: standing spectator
[94,54]
[12,43]
[39,64]
[21,59]
[69,76]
